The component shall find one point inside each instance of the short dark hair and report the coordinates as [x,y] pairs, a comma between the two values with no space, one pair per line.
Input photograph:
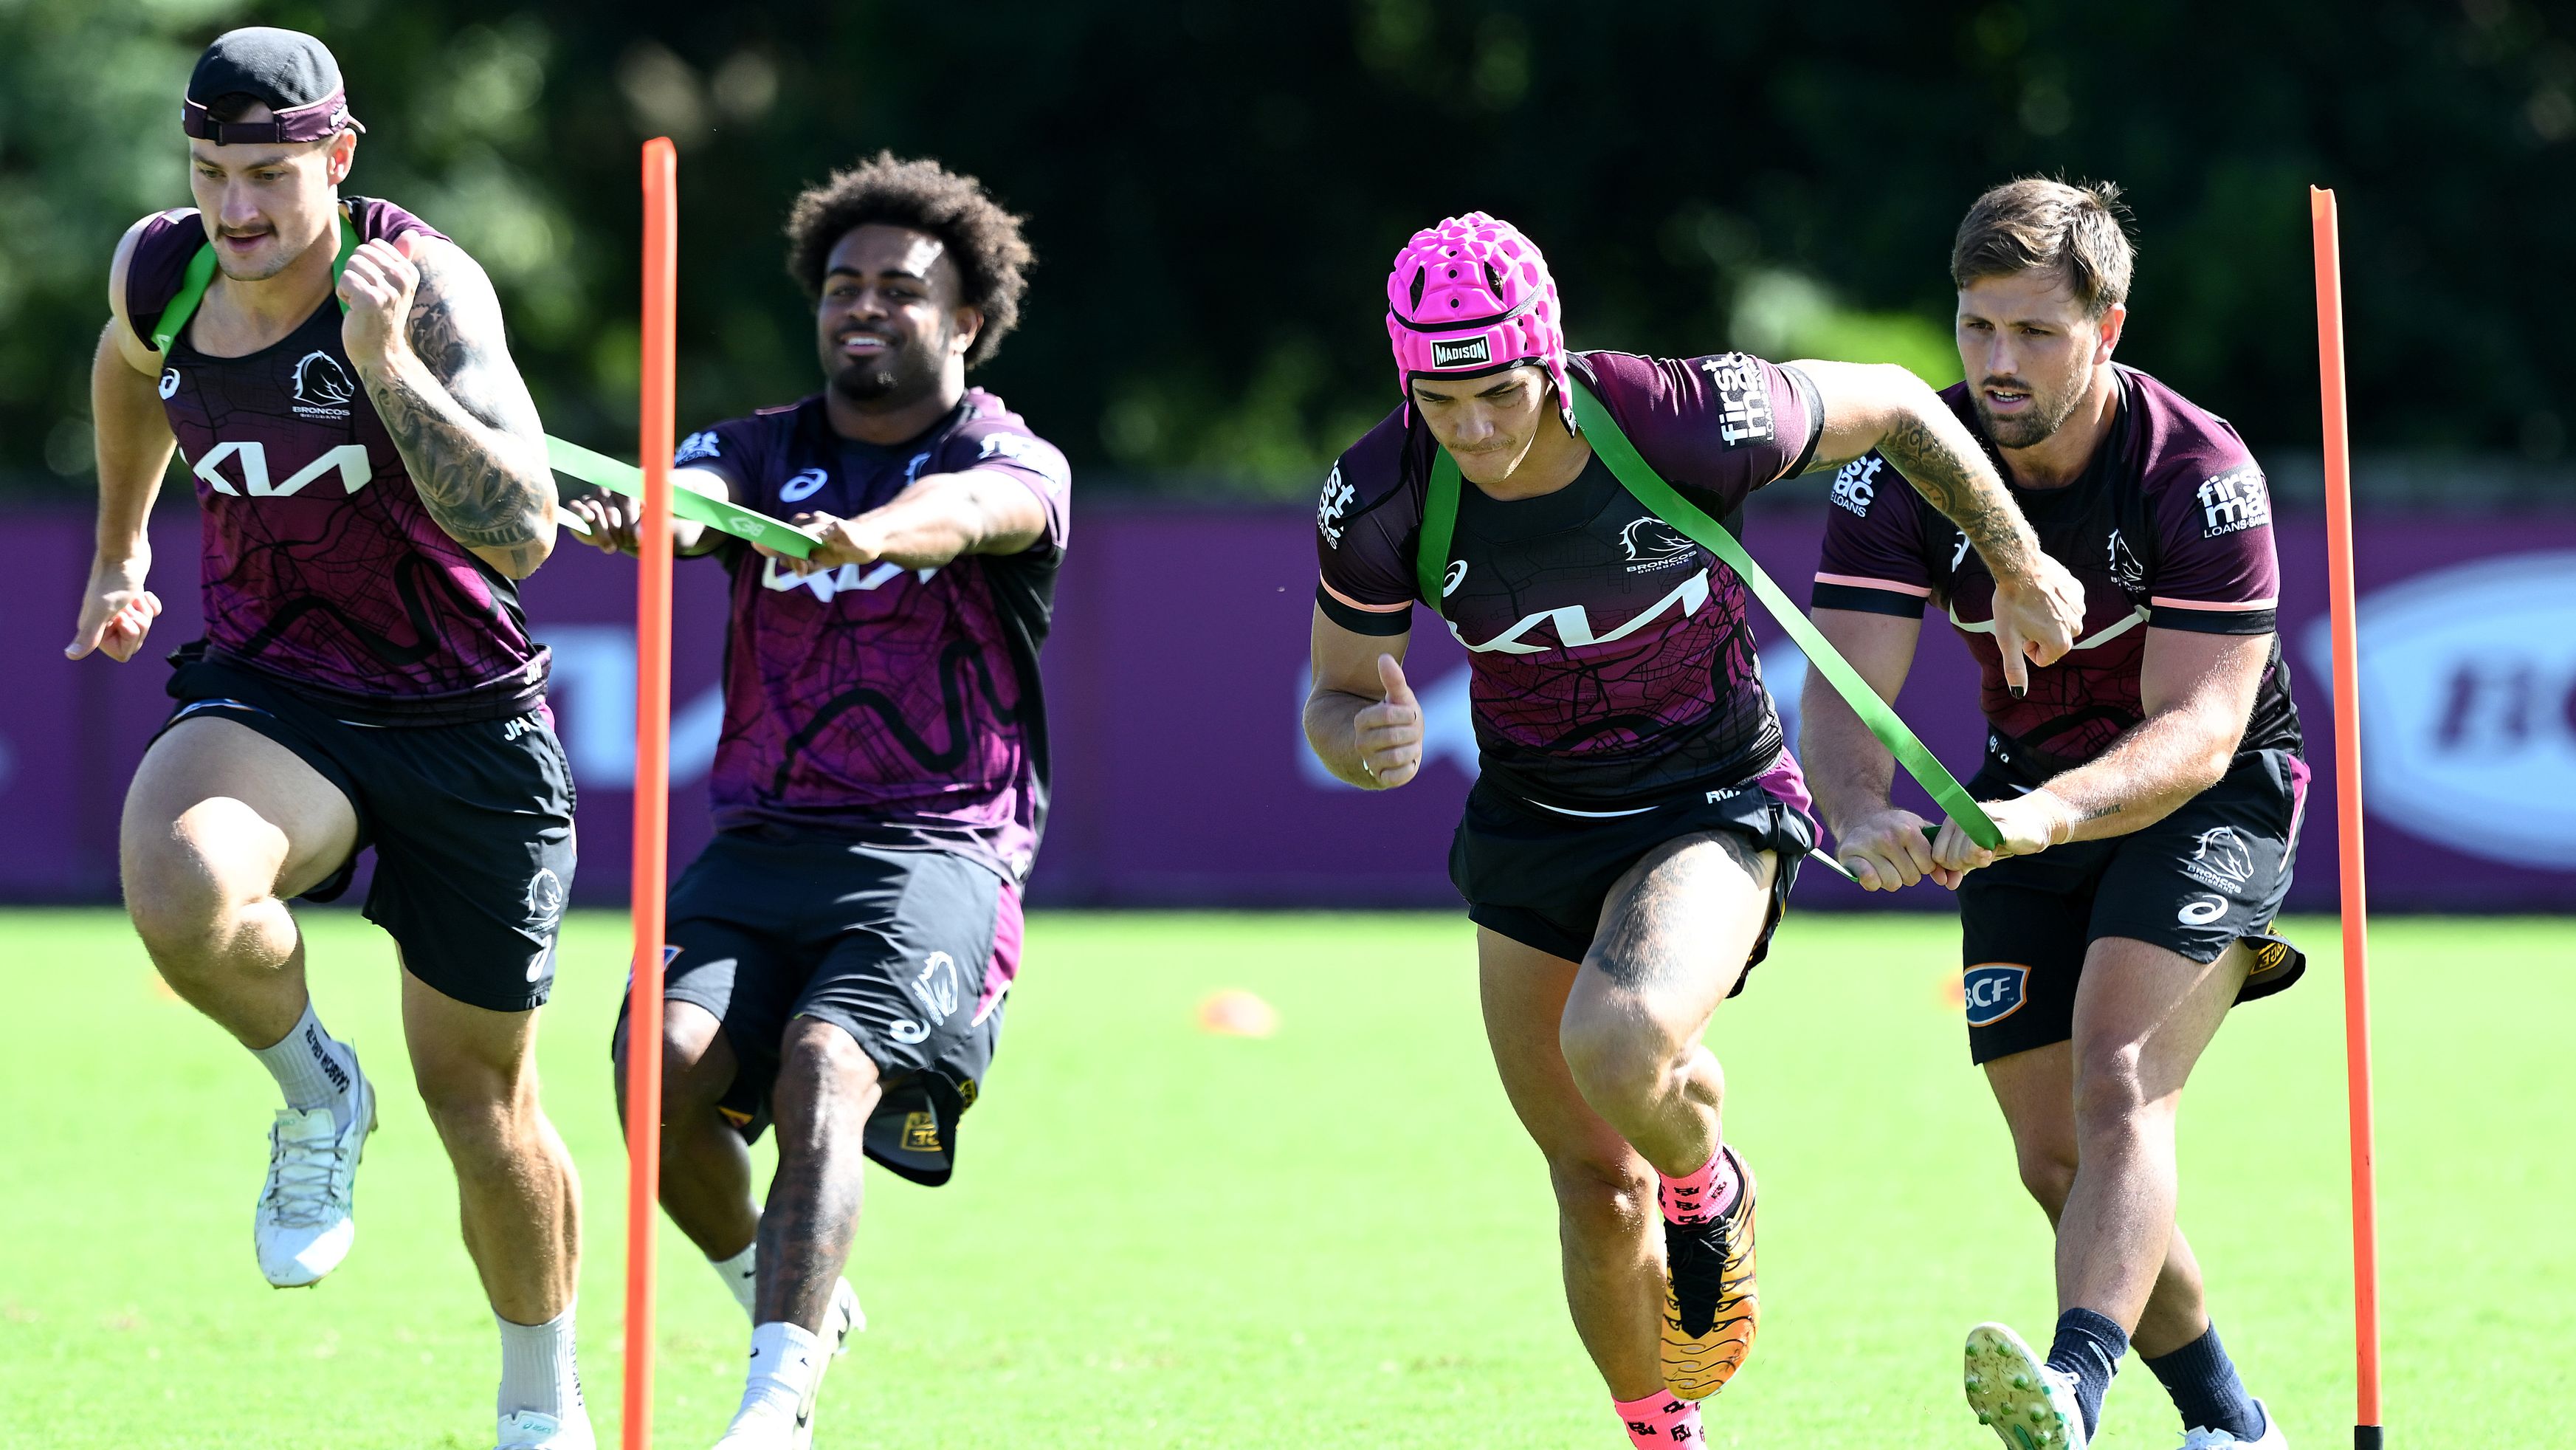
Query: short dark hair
[2075,230]
[982,239]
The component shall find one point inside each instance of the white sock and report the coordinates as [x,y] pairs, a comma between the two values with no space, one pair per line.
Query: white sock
[785,1361]
[314,1069]
[537,1369]
[741,1275]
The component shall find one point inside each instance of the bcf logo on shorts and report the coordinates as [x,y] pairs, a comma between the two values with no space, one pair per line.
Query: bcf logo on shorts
[1994,991]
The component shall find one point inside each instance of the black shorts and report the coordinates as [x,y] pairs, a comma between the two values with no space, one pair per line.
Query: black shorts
[908,951]
[471,825]
[2195,883]
[1539,875]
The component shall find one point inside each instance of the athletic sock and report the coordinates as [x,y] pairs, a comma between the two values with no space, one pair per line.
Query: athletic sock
[784,1361]
[537,1368]
[741,1275]
[1661,1421]
[313,1069]
[2088,1348]
[2206,1391]
[1701,1196]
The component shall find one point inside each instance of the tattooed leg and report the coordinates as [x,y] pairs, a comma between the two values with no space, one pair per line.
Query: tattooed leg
[826,1088]
[1674,936]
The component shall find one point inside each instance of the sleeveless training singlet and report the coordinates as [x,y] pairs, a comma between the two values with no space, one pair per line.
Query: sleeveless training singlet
[321,567]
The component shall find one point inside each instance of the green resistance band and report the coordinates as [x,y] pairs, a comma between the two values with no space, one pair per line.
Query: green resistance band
[1440,522]
[567,458]
[608,473]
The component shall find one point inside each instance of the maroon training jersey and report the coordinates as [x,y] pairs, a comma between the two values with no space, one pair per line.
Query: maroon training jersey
[1612,663]
[321,566]
[2169,527]
[895,705]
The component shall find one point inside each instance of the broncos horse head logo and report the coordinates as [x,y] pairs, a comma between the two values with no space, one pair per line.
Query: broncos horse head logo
[1652,541]
[321,382]
[2224,853]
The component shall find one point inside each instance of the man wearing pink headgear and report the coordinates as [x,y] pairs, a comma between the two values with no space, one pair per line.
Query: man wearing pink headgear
[1636,821]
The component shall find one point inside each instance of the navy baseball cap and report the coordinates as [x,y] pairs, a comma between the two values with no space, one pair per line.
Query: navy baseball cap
[287,71]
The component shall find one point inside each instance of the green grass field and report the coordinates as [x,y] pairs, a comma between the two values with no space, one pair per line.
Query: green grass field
[1333,1237]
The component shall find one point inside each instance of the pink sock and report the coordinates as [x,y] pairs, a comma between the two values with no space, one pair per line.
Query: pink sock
[1704,1195]
[1661,1422]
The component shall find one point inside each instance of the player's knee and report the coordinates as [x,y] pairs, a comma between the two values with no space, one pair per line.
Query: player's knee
[1600,1197]
[820,1068]
[184,886]
[2047,1172]
[1615,1063]
[2112,1100]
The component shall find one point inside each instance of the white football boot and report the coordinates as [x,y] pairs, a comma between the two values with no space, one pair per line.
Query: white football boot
[532,1430]
[2016,1394]
[303,1226]
[2272,1439]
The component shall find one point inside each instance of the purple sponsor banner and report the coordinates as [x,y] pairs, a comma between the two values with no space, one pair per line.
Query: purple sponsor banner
[1177,668]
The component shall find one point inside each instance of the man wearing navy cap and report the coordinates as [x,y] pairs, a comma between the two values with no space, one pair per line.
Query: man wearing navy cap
[373,481]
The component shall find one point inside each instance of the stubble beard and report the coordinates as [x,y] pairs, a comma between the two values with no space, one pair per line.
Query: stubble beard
[2037,425]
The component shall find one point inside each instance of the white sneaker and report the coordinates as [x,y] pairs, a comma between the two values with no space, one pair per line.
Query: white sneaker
[2018,1396]
[764,1426]
[303,1226]
[844,1318]
[530,1430]
[2272,1439]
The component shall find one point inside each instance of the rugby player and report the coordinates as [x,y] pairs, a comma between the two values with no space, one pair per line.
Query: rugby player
[2148,787]
[373,479]
[1636,822]
[839,953]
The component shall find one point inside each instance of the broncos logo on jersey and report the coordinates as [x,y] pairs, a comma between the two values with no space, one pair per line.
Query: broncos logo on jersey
[1650,542]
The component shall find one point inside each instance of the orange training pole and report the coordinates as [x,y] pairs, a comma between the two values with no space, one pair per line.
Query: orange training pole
[652,783]
[2356,914]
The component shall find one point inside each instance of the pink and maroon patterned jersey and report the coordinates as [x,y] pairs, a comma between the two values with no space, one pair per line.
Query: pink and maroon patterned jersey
[2169,527]
[894,705]
[1612,663]
[321,566]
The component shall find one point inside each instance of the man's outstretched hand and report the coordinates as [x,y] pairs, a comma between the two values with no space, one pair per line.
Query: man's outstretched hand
[1390,732]
[2036,620]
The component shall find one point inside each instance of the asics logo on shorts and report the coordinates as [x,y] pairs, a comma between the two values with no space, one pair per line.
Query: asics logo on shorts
[1994,991]
[2202,910]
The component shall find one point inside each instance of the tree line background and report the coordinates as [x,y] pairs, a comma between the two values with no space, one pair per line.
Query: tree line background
[1214,191]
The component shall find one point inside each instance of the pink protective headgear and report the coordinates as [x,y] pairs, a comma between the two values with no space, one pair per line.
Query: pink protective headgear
[1472,295]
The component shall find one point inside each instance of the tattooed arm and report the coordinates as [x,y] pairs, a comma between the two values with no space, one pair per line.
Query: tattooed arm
[2039,608]
[2196,691]
[424,329]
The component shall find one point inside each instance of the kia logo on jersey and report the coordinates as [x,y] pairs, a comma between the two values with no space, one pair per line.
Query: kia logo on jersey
[1462,354]
[1994,991]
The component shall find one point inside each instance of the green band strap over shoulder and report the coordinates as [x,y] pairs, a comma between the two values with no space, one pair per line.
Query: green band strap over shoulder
[566,458]
[1439,525]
